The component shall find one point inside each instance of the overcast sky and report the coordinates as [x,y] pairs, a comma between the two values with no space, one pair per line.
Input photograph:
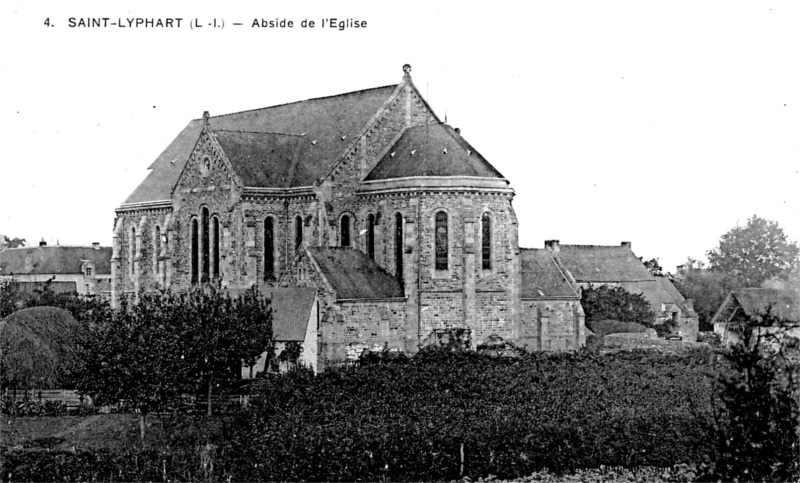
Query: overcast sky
[660,123]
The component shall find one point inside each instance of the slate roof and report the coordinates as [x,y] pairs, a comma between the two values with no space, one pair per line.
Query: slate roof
[329,123]
[354,276]
[432,150]
[262,159]
[291,308]
[541,277]
[657,291]
[758,302]
[54,260]
[603,264]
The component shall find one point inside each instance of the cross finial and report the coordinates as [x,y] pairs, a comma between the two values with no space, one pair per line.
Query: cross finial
[407,71]
[206,117]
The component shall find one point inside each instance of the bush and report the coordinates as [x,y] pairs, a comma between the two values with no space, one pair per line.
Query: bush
[413,420]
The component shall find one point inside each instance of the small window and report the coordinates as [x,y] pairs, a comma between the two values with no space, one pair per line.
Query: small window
[206,239]
[131,251]
[269,250]
[88,271]
[371,236]
[344,227]
[156,249]
[195,255]
[298,232]
[441,241]
[398,245]
[486,241]
[215,248]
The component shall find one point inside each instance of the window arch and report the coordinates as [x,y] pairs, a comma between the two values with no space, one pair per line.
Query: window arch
[486,241]
[398,245]
[371,236]
[344,230]
[156,249]
[441,240]
[215,248]
[298,231]
[195,255]
[269,249]
[205,239]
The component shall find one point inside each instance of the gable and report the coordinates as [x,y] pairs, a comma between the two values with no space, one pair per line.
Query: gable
[206,165]
[328,125]
[432,150]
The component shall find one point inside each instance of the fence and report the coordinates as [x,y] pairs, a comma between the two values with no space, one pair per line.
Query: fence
[70,398]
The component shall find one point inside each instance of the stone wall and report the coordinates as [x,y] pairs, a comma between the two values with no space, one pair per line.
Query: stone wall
[552,325]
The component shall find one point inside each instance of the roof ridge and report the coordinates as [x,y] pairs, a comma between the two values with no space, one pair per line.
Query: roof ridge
[259,132]
[298,102]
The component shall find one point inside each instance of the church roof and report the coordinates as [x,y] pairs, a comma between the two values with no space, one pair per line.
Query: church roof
[354,276]
[602,264]
[328,126]
[541,277]
[54,260]
[432,150]
[262,159]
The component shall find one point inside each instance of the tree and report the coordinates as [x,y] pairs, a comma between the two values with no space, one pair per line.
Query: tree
[6,242]
[149,354]
[653,267]
[229,333]
[708,289]
[755,252]
[615,303]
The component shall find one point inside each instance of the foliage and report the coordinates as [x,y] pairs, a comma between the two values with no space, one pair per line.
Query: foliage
[168,344]
[653,267]
[36,345]
[509,417]
[707,288]
[757,424]
[605,327]
[754,252]
[615,303]
[6,242]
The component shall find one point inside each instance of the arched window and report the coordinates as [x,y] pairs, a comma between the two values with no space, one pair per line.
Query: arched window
[398,245]
[298,231]
[195,251]
[269,249]
[486,241]
[344,228]
[156,249]
[441,240]
[204,264]
[131,251]
[215,248]
[371,236]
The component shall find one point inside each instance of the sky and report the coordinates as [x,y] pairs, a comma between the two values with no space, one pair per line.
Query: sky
[661,123]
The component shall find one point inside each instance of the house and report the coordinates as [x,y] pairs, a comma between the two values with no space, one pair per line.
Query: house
[774,312]
[401,226]
[85,270]
[618,266]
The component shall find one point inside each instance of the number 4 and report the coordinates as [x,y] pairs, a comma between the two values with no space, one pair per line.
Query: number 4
[47,22]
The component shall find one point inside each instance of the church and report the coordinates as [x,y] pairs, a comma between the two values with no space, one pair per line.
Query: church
[404,231]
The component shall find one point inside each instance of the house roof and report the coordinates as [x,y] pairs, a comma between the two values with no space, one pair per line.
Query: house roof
[541,277]
[602,264]
[291,308]
[432,150]
[759,302]
[54,260]
[329,125]
[354,276]
[657,291]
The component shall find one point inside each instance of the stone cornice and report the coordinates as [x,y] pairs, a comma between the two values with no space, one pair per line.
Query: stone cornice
[436,183]
[145,205]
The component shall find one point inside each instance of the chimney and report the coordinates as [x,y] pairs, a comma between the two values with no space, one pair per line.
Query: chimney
[42,243]
[96,245]
[552,246]
[690,304]
[625,244]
